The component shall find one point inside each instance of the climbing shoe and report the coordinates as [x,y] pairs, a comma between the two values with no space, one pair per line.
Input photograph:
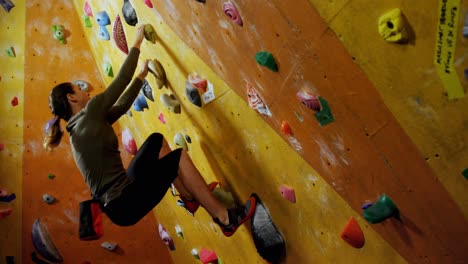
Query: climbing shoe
[237,216]
[192,205]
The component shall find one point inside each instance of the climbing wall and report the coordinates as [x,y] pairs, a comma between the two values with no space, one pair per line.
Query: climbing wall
[48,62]
[11,128]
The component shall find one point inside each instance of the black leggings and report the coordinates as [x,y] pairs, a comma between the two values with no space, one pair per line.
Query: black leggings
[150,179]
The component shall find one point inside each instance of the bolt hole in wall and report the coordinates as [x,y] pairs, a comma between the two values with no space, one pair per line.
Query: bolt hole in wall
[389,24]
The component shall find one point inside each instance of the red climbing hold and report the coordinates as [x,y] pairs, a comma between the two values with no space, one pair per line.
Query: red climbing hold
[207,256]
[2,147]
[148,3]
[14,101]
[286,128]
[5,212]
[353,234]
[231,11]
[128,142]
[119,35]
[288,193]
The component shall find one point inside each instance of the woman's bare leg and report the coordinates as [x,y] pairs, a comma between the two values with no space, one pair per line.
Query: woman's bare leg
[191,185]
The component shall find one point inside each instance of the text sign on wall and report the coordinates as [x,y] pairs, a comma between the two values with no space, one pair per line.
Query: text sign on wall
[445,47]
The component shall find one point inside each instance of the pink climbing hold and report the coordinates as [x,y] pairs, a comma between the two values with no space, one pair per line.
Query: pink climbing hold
[309,100]
[231,11]
[166,238]
[5,212]
[119,35]
[14,101]
[207,256]
[128,142]
[87,9]
[288,193]
[161,118]
[148,3]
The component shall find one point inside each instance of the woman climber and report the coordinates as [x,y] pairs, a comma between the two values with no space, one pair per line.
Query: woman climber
[128,195]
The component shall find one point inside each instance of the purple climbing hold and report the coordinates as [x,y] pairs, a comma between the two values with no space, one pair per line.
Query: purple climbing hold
[231,11]
[366,205]
[7,4]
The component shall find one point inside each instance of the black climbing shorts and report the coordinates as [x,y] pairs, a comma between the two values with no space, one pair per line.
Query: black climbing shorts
[151,178]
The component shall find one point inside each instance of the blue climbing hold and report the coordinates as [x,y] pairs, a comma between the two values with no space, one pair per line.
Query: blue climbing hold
[140,103]
[102,18]
[103,33]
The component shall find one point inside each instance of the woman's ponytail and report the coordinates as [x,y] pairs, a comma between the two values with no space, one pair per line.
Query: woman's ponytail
[53,134]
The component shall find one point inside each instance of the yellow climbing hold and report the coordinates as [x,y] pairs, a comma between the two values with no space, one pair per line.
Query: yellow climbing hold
[393,26]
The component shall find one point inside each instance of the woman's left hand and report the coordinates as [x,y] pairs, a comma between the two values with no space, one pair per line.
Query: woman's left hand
[144,71]
[140,35]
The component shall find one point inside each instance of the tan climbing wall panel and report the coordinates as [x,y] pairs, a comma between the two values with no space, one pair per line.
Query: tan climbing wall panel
[47,63]
[364,152]
[231,143]
[11,127]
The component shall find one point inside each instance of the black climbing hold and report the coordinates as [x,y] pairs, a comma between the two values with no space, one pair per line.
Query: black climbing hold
[192,94]
[267,238]
[147,90]
[201,1]
[188,139]
[129,13]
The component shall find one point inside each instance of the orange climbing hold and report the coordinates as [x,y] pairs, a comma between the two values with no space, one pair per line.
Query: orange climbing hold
[353,234]
[208,256]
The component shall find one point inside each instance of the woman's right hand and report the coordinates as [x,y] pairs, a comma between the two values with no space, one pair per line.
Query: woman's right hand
[140,35]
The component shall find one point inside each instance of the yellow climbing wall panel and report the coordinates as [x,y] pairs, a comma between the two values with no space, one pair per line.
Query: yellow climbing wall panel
[232,144]
[407,79]
[11,126]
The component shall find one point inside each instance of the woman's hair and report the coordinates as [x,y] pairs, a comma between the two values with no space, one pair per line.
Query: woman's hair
[60,108]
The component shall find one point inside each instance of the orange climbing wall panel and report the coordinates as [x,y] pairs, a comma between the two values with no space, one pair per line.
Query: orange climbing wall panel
[47,63]
[11,127]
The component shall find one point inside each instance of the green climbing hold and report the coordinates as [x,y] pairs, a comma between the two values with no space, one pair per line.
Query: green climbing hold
[87,21]
[465,173]
[266,59]
[11,52]
[51,176]
[108,69]
[324,116]
[382,209]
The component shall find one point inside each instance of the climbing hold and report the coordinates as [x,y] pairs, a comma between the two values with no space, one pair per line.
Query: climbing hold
[150,33]
[43,244]
[58,33]
[325,115]
[10,260]
[84,86]
[87,21]
[465,27]
[201,1]
[207,256]
[288,193]
[14,101]
[309,100]
[466,73]
[393,26]
[109,246]
[5,212]
[147,90]
[2,146]
[148,3]
[198,82]
[4,197]
[102,18]
[353,234]
[366,205]
[128,142]
[103,33]
[179,232]
[7,5]
[188,139]
[129,13]
[108,69]
[87,9]
[48,199]
[129,113]
[170,102]
[255,101]
[285,128]
[382,209]
[194,253]
[180,141]
[166,238]
[465,173]
[140,103]
[266,59]
[10,52]
[192,94]
[161,118]
[119,35]
[51,176]
[155,67]
[231,11]
[267,238]
[224,197]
